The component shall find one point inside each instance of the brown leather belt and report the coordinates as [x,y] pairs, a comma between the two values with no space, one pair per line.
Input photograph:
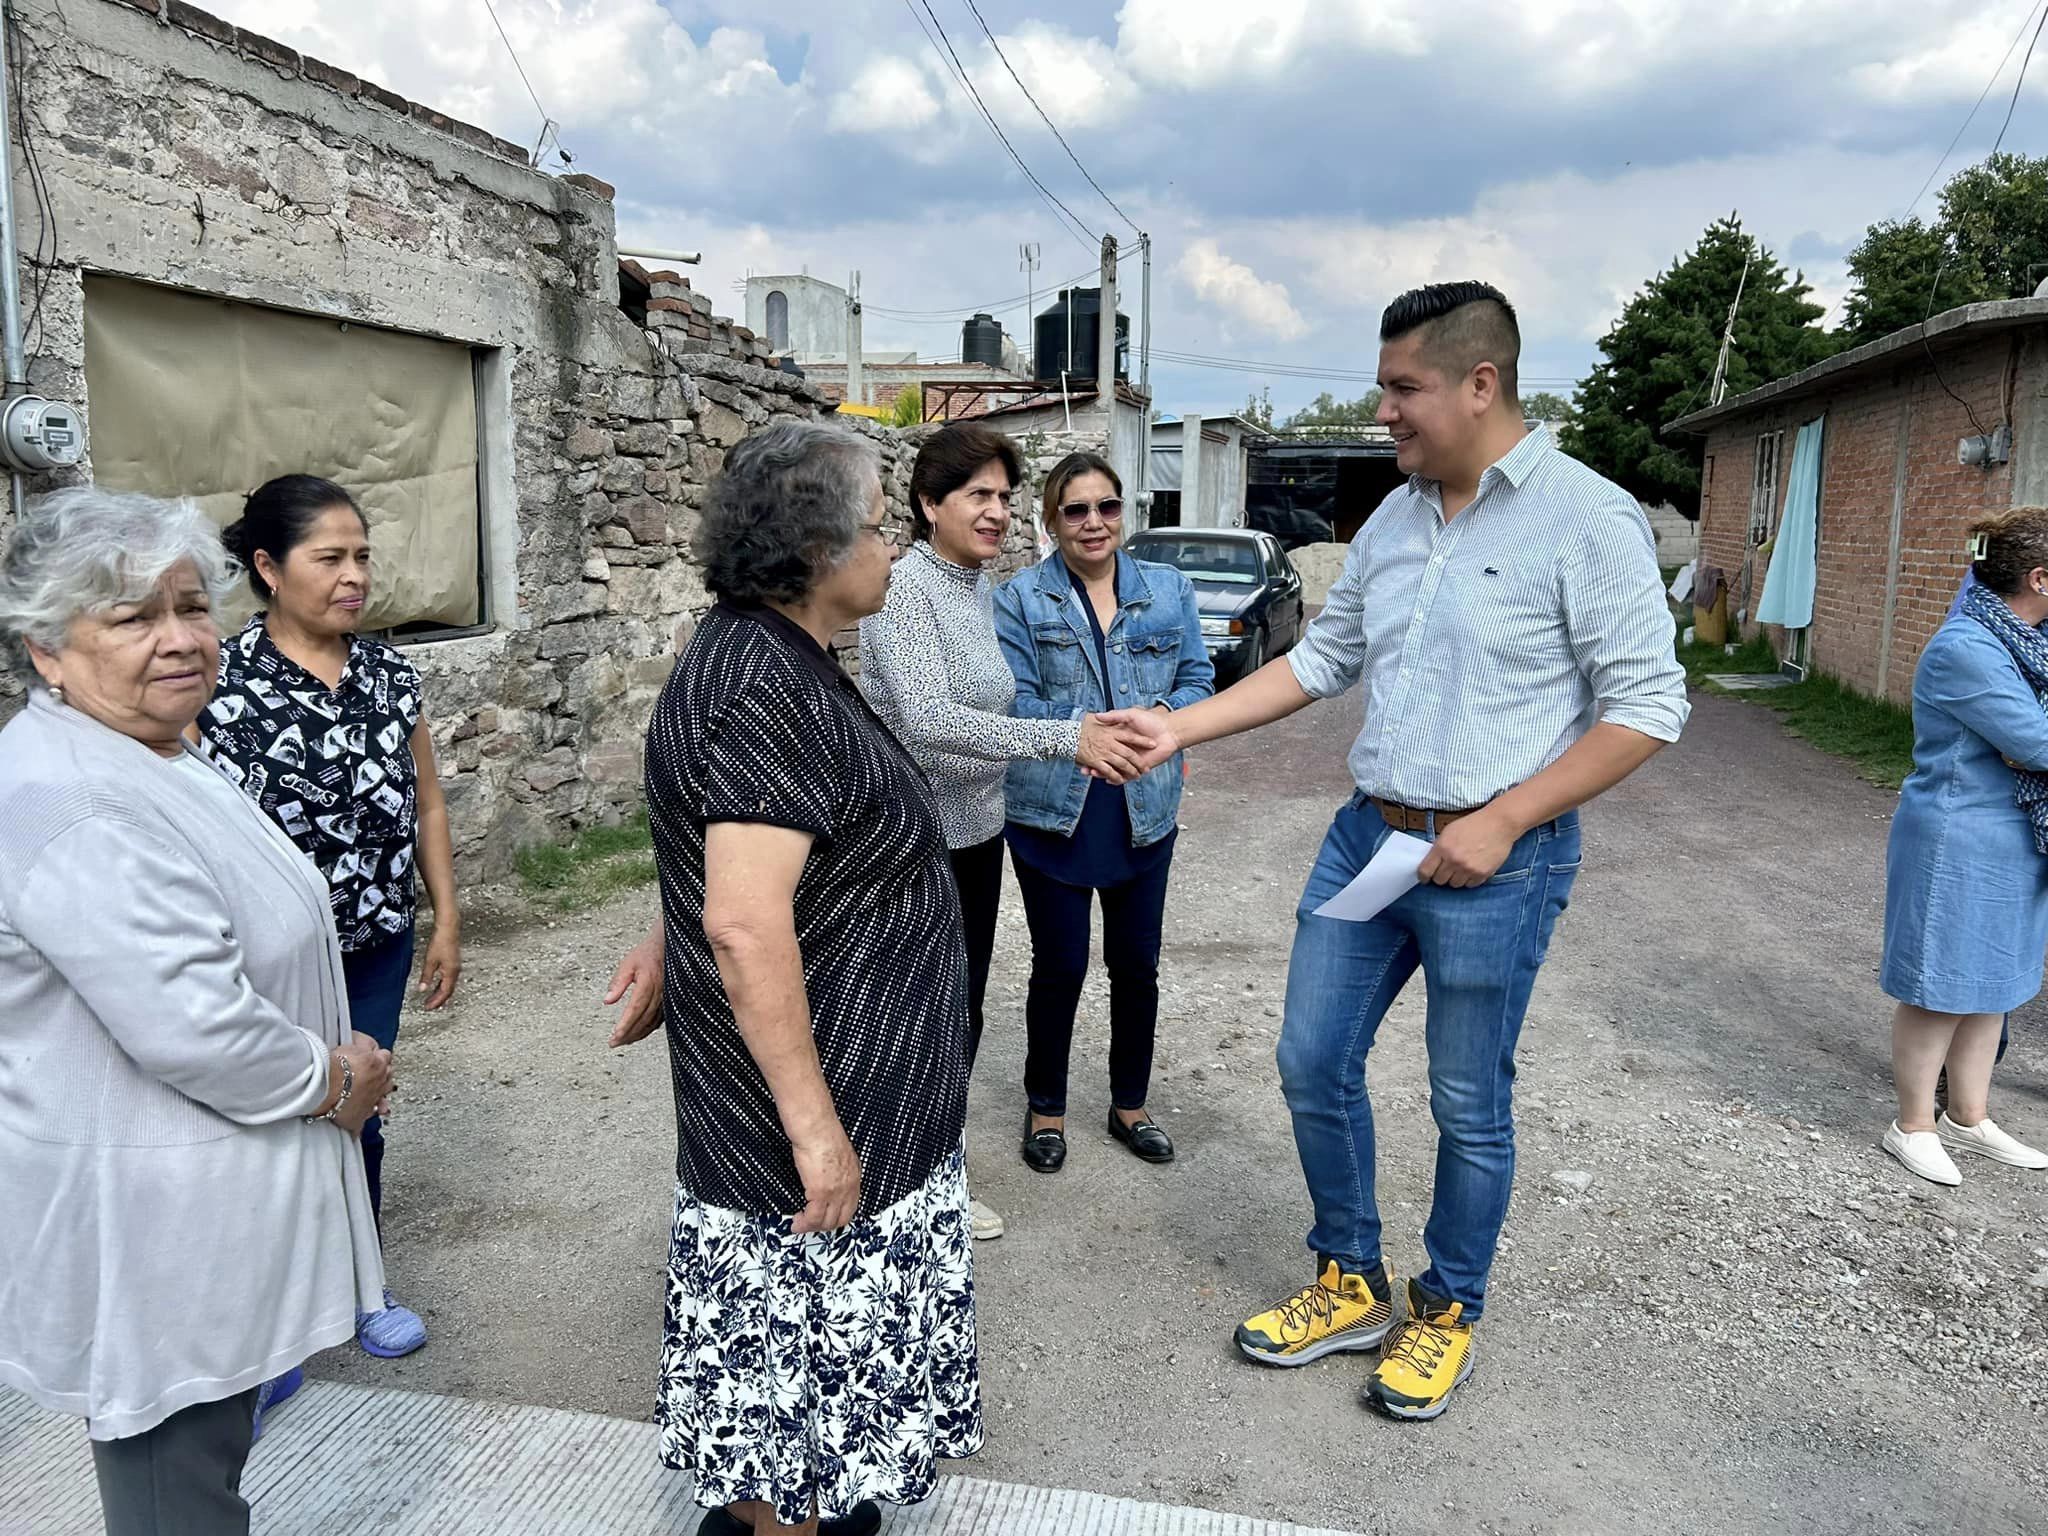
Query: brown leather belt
[1407,818]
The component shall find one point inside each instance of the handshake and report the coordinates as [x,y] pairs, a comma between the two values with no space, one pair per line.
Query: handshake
[1122,744]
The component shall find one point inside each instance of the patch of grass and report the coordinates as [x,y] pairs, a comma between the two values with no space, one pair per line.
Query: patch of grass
[1874,734]
[1701,661]
[599,862]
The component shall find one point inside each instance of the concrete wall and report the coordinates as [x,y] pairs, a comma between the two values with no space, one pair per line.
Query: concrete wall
[1889,455]
[188,153]
[1678,536]
[1090,430]
[817,314]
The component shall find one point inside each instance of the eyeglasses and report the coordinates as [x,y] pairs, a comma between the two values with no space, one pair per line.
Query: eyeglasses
[1077,512]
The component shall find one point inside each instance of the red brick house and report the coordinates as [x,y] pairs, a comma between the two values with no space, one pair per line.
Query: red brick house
[1894,502]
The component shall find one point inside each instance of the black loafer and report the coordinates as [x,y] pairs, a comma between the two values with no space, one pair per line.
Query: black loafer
[1145,1139]
[1044,1151]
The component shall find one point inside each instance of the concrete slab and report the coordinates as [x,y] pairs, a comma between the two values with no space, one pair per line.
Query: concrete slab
[348,1459]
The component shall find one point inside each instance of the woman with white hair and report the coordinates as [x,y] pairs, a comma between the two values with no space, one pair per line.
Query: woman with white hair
[180,1095]
[819,1352]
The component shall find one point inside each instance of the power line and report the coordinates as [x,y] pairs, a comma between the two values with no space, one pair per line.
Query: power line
[1086,236]
[1926,345]
[2026,59]
[964,312]
[547,123]
[1308,370]
[1952,143]
[1048,121]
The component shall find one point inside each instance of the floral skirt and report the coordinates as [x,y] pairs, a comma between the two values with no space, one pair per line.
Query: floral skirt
[821,1370]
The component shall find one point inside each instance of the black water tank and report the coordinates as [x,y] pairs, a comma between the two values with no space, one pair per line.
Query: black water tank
[981,341]
[1050,335]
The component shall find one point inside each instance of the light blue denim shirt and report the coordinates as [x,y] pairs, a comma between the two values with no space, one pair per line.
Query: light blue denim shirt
[1156,656]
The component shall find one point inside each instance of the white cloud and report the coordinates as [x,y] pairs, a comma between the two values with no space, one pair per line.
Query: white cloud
[1079,81]
[1239,292]
[1572,49]
[1570,250]
[1192,44]
[620,61]
[888,94]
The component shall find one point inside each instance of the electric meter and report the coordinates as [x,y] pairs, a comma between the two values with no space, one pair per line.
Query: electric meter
[38,435]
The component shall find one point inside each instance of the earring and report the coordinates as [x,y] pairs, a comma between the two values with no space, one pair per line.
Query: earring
[56,693]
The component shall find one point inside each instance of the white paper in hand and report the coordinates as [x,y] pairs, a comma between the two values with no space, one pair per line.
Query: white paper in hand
[1387,876]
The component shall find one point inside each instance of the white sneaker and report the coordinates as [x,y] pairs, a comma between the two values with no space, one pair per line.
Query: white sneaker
[1987,1140]
[983,1222]
[1922,1153]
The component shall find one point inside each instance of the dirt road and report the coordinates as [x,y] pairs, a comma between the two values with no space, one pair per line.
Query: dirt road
[1719,1307]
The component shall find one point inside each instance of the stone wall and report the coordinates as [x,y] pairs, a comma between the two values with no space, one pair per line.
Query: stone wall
[182,151]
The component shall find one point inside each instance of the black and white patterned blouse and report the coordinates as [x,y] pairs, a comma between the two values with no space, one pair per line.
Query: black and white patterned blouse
[759,724]
[931,666]
[332,766]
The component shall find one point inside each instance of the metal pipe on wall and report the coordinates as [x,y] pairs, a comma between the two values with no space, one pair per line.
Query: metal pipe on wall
[15,360]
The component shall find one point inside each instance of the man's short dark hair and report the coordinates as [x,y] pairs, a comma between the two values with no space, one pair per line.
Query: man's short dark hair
[950,458]
[1462,325]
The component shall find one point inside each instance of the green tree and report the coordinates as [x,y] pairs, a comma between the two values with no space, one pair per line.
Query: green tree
[1991,242]
[1545,406]
[1258,409]
[908,410]
[1326,410]
[1659,360]
[1995,215]
[1895,267]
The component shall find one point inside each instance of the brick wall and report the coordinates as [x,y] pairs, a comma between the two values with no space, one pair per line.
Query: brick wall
[1865,418]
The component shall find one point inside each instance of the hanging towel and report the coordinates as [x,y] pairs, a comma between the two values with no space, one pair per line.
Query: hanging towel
[1788,584]
[1708,581]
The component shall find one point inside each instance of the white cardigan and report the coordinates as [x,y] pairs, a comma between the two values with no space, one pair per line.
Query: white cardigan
[171,1231]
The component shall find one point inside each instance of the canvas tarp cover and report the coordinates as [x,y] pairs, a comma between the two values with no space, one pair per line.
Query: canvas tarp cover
[195,396]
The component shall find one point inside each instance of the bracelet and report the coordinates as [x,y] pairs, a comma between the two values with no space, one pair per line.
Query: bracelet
[348,1086]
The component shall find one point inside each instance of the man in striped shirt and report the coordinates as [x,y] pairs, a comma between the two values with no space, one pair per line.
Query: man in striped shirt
[1505,614]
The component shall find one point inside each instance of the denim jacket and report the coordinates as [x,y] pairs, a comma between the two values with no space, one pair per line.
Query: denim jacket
[1156,656]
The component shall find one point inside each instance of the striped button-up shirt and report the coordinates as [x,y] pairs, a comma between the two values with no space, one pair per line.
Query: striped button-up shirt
[1492,641]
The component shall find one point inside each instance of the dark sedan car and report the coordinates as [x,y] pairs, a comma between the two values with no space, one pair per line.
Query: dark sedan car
[1246,587]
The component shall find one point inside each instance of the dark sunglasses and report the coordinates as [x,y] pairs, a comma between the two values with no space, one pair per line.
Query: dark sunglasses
[1076,512]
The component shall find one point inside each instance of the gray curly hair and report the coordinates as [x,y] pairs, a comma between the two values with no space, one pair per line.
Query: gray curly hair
[84,549]
[784,511]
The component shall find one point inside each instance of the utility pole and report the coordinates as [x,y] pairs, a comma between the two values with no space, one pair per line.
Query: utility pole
[1145,319]
[1105,362]
[1144,496]
[1028,254]
[856,383]
[1191,515]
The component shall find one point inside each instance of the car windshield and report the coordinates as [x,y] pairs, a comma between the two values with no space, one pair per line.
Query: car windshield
[1224,560]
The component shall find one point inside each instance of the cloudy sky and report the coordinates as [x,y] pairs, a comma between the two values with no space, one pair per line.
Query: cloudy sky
[1297,162]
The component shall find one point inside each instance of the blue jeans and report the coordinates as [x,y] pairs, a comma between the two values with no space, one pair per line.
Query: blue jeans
[1479,950]
[376,993]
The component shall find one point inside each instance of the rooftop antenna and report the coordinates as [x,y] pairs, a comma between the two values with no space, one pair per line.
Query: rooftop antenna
[1028,259]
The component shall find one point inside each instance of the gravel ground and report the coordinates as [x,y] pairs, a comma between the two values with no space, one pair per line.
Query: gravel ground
[1717,1306]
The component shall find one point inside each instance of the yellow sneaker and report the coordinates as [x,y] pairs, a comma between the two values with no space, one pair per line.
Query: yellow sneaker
[1427,1358]
[1339,1311]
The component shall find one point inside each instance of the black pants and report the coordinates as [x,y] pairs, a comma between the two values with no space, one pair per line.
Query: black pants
[1059,915]
[183,1478]
[978,871]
